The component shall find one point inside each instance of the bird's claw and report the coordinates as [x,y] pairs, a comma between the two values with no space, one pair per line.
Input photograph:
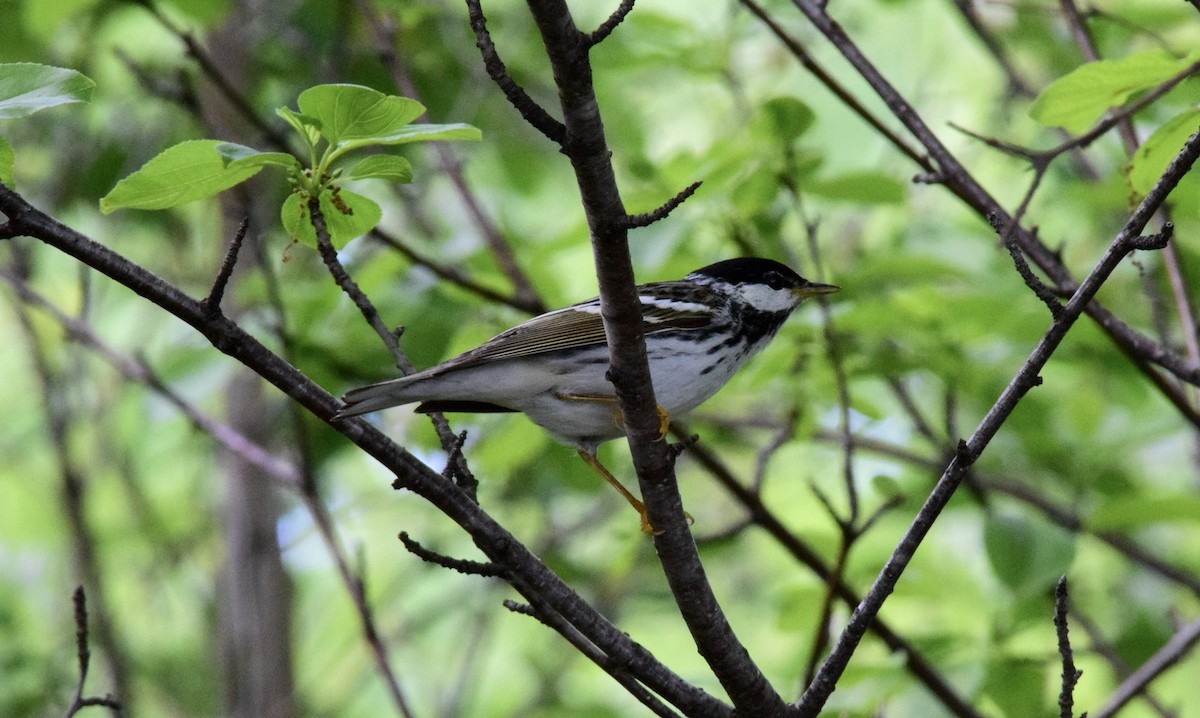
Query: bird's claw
[648,528]
[664,420]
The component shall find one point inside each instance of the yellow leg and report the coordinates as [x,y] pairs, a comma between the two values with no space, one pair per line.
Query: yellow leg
[664,417]
[592,461]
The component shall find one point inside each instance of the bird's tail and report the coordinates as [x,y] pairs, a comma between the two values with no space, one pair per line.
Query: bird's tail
[383,395]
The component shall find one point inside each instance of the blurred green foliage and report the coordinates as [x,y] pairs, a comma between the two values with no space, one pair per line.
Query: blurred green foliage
[690,91]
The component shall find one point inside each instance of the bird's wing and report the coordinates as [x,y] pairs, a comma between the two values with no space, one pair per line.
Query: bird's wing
[576,326]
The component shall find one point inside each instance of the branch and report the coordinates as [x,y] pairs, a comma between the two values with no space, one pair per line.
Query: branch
[137,370]
[212,303]
[831,83]
[941,166]
[78,701]
[763,517]
[470,568]
[207,66]
[1026,378]
[532,112]
[1070,674]
[1175,649]
[584,143]
[456,276]
[606,28]
[244,448]
[634,221]
[1016,83]
[51,381]
[240,445]
[1030,497]
[525,296]
[462,473]
[529,573]
[549,618]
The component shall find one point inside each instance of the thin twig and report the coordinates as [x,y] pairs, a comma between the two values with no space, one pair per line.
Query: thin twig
[456,276]
[833,85]
[1027,495]
[551,619]
[78,700]
[1180,644]
[1025,379]
[139,371]
[1070,674]
[531,111]
[525,296]
[941,166]
[212,303]
[209,67]
[1101,646]
[634,221]
[585,145]
[780,438]
[909,405]
[606,28]
[464,566]
[462,473]
[496,543]
[763,517]
[73,486]
[1016,83]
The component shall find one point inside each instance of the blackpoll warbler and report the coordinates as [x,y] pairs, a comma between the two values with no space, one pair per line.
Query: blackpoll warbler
[699,331]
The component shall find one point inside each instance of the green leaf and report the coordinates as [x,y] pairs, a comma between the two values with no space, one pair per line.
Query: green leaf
[7,158]
[1016,685]
[388,167]
[865,187]
[1076,100]
[354,112]
[1160,148]
[238,156]
[26,87]
[188,171]
[420,133]
[308,127]
[1136,511]
[355,216]
[787,118]
[1026,555]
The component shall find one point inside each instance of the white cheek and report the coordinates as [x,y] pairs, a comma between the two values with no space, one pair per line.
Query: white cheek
[765,299]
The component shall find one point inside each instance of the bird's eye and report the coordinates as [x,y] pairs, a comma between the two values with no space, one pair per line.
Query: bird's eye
[774,280]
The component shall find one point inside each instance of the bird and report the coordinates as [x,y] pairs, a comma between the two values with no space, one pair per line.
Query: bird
[699,331]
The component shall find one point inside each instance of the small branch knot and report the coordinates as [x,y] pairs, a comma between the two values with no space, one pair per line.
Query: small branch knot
[1155,241]
[929,178]
[678,448]
[964,455]
[464,566]
[522,608]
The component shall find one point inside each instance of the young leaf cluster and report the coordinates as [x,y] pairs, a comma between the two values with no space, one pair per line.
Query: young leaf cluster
[332,122]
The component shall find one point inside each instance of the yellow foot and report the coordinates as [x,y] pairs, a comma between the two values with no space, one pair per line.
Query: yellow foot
[647,527]
[664,421]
